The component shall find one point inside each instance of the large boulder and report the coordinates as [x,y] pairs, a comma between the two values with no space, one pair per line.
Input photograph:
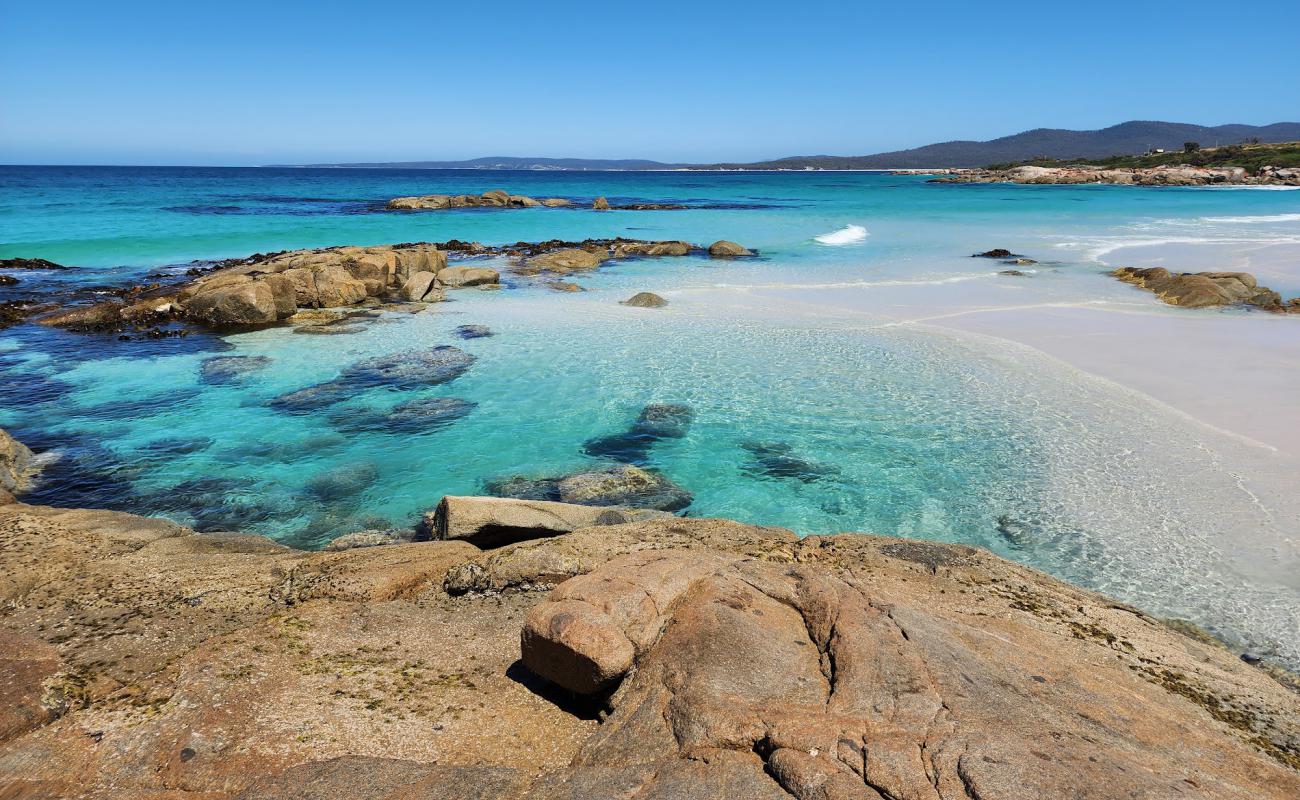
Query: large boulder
[866,669]
[284,293]
[460,277]
[727,249]
[495,521]
[569,259]
[246,303]
[600,204]
[18,465]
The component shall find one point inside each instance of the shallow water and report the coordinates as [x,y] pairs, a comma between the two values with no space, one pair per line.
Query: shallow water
[817,421]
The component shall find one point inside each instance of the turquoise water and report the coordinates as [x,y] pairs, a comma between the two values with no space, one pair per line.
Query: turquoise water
[820,423]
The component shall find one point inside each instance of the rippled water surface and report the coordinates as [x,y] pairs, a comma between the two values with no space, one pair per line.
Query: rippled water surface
[818,423]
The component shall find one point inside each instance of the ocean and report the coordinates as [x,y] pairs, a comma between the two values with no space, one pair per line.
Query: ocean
[804,413]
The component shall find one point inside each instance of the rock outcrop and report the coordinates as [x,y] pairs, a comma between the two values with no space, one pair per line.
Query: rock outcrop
[1205,289]
[495,521]
[727,249]
[645,300]
[564,261]
[600,204]
[18,465]
[728,661]
[496,198]
[1172,175]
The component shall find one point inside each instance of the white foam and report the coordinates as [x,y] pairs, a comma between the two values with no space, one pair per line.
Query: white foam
[1258,218]
[849,234]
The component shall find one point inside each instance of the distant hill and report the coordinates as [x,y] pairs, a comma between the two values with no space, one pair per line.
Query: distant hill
[513,162]
[1125,139]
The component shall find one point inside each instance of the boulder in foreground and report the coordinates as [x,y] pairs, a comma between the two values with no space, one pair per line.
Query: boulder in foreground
[495,521]
[827,667]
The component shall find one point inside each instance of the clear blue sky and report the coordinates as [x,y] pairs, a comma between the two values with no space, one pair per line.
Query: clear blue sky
[278,81]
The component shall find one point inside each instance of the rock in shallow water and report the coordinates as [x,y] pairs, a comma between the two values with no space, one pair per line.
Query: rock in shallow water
[414,416]
[777,460]
[231,369]
[474,331]
[621,485]
[657,421]
[431,367]
[645,300]
[343,482]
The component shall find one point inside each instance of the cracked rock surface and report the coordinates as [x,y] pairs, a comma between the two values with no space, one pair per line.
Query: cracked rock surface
[702,659]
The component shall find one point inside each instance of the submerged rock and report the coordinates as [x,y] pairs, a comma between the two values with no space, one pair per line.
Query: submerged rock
[414,416]
[777,460]
[8,280]
[620,485]
[409,370]
[657,421]
[405,370]
[342,482]
[1013,273]
[563,286]
[474,331]
[231,369]
[645,300]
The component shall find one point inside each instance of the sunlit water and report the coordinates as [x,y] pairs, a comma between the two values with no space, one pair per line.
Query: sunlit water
[875,427]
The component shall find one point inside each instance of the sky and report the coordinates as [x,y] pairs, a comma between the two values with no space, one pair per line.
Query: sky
[280,81]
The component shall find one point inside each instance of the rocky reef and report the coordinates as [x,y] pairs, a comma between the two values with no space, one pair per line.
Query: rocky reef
[496,198]
[656,658]
[500,198]
[1206,289]
[1171,175]
[289,287]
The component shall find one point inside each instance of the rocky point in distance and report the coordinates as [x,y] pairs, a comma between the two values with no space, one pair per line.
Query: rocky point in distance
[539,650]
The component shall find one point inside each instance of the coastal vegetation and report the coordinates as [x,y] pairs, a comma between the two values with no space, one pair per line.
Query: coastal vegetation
[1251,156]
